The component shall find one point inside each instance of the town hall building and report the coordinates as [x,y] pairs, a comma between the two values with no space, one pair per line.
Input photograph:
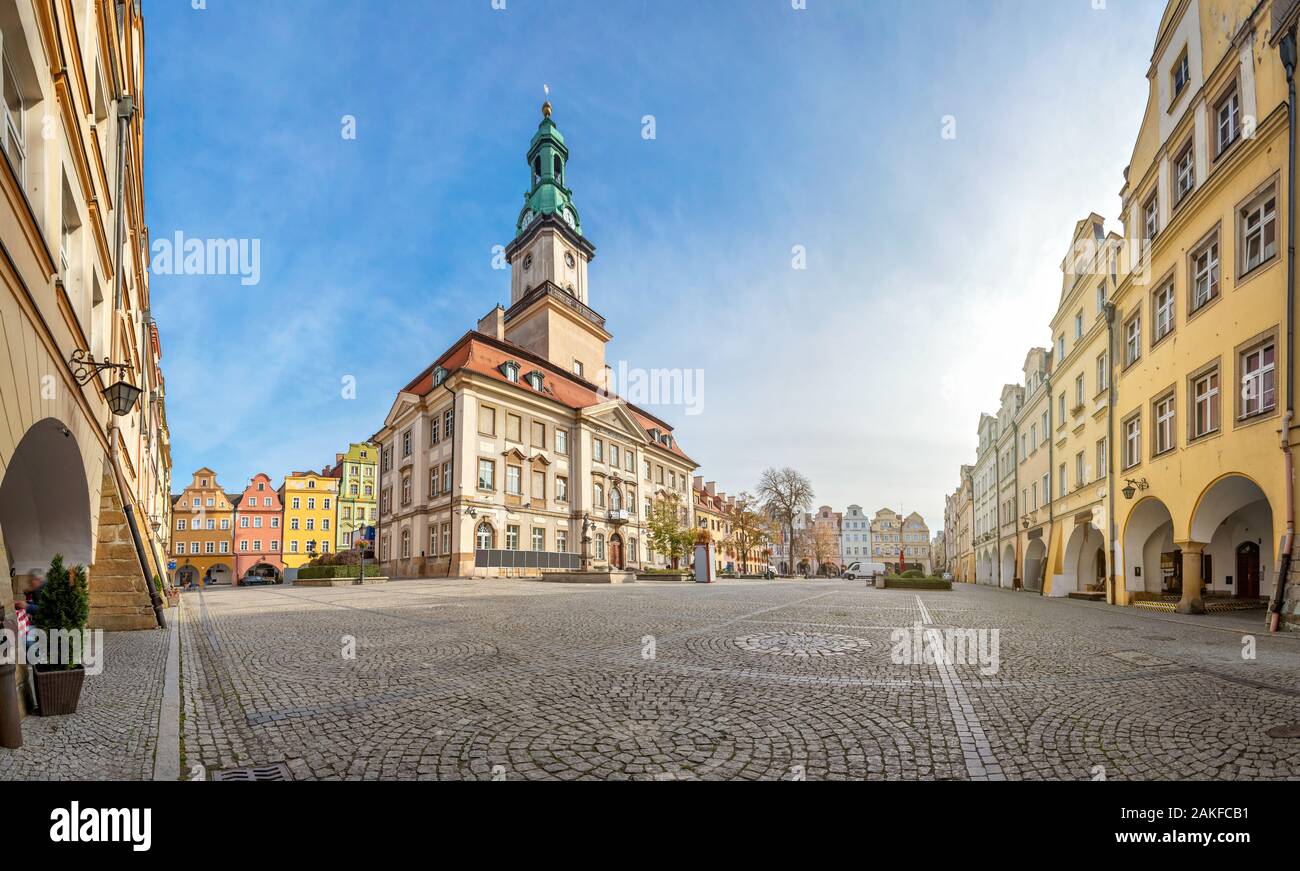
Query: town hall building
[509,455]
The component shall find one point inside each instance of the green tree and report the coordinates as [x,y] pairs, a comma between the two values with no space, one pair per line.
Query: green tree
[64,602]
[669,533]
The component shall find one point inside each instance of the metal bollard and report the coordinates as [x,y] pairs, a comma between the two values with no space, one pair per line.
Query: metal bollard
[11,729]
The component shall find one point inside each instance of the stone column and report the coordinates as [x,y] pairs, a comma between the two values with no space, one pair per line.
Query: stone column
[1191,602]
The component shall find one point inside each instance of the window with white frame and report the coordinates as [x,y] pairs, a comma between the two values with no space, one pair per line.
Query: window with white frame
[1132,441]
[1205,273]
[15,145]
[1205,404]
[1227,114]
[1103,371]
[1151,216]
[512,537]
[1163,309]
[1132,340]
[1258,223]
[1184,174]
[1258,375]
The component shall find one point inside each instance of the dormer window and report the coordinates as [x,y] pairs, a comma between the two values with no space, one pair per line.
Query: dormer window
[510,369]
[535,379]
[439,376]
[1181,74]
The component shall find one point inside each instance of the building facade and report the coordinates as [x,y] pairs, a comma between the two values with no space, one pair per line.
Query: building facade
[509,454]
[257,540]
[85,454]
[203,538]
[855,536]
[310,508]
[827,529]
[357,471]
[1203,382]
[1080,415]
[1008,487]
[985,484]
[959,510]
[1034,465]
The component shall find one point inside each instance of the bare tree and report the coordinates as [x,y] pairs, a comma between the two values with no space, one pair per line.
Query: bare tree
[785,494]
[825,545]
[750,528]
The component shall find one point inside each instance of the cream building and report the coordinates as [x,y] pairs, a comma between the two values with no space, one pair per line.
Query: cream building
[1204,389]
[84,452]
[1080,416]
[1033,470]
[1013,398]
[508,456]
[985,484]
[959,511]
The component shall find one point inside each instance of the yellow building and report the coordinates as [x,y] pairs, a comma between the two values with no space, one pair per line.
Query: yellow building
[310,502]
[1078,416]
[1202,313]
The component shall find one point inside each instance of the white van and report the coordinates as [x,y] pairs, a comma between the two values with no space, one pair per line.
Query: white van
[857,570]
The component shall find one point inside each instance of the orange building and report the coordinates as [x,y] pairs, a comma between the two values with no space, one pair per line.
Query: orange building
[202,532]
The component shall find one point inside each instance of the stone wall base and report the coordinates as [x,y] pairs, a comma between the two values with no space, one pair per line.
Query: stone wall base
[119,592]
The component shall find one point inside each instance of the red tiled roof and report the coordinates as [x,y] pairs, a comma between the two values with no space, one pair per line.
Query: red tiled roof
[483,355]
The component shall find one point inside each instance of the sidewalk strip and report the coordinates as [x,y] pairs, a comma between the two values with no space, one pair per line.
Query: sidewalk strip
[167,752]
[981,764]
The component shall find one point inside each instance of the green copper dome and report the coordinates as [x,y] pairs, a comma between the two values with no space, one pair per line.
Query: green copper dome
[547,157]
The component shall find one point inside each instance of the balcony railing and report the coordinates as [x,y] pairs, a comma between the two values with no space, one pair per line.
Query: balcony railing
[546,288]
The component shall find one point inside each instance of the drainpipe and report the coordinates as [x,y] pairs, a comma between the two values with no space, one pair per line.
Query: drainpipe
[1287,51]
[1015,494]
[1051,479]
[1109,308]
[451,499]
[125,112]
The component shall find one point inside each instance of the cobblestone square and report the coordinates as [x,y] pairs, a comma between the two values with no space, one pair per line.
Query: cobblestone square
[753,680]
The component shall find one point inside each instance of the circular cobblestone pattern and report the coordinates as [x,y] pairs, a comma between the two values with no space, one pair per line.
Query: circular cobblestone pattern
[804,644]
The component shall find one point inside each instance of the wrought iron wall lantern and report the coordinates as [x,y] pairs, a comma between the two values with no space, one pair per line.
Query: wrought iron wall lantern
[1131,487]
[121,394]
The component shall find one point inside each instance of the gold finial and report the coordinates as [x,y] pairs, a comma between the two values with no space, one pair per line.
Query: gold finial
[546,109]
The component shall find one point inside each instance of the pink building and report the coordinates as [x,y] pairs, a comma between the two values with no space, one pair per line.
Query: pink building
[258,531]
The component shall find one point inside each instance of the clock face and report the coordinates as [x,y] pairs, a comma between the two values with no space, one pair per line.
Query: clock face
[568,216]
[528,262]
[527,219]
[568,259]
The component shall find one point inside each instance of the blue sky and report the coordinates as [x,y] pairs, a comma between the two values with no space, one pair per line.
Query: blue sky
[932,263]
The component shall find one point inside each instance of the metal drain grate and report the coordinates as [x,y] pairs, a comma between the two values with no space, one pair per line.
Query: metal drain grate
[1289,731]
[278,771]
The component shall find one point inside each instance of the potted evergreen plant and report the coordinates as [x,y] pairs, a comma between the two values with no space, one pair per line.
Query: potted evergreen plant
[65,605]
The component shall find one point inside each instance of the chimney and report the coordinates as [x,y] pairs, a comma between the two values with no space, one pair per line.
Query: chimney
[711,488]
[698,482]
[338,458]
[494,323]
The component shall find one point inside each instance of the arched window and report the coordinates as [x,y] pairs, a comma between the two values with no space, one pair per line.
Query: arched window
[485,536]
[615,500]
[600,496]
[557,169]
[600,545]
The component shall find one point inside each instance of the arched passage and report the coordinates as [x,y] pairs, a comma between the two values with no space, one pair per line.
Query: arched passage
[1008,566]
[1234,522]
[1035,562]
[1084,565]
[1150,557]
[45,500]
[984,567]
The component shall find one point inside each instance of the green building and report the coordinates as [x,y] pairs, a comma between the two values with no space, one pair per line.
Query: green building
[356,501]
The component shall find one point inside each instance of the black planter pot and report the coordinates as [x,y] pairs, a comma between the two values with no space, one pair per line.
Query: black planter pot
[58,690]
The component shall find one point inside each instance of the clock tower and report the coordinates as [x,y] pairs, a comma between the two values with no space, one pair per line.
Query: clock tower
[549,311]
